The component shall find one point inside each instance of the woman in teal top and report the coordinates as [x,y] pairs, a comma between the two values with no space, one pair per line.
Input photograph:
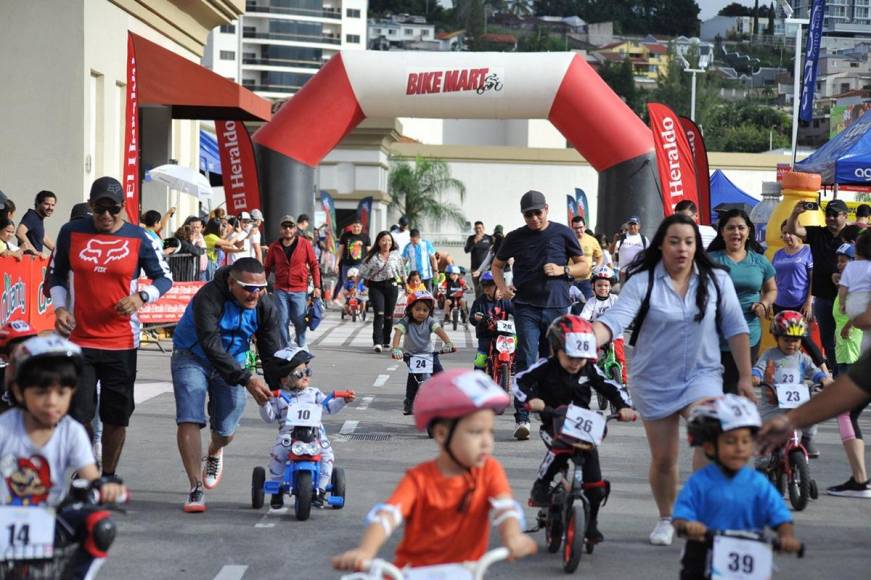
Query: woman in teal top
[753,275]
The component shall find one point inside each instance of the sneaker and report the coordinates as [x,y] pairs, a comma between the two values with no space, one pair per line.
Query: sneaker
[663,533]
[276,502]
[406,407]
[812,450]
[213,469]
[318,498]
[521,431]
[196,502]
[850,488]
[378,348]
[540,494]
[593,535]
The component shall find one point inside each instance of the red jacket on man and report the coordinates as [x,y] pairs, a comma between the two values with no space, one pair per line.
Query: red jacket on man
[292,275]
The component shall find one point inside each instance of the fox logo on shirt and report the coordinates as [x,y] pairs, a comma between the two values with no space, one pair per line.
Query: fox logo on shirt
[102,253]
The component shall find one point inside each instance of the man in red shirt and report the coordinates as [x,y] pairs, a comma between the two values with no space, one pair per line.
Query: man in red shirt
[292,259]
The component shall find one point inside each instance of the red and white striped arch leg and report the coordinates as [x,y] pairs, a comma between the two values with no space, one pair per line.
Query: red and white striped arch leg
[560,87]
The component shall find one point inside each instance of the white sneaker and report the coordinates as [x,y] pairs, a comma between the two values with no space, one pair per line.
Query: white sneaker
[378,348]
[663,533]
[213,469]
[521,431]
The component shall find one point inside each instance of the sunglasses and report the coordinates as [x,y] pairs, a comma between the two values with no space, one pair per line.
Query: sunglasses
[112,209]
[532,213]
[249,288]
[306,372]
[832,214]
[288,226]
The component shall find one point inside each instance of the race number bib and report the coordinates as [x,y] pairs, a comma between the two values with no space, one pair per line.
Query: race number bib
[420,364]
[584,424]
[478,387]
[506,326]
[304,415]
[26,533]
[737,412]
[581,345]
[439,572]
[738,559]
[506,344]
[790,396]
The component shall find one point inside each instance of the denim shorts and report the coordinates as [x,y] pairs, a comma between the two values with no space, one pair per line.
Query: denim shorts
[192,380]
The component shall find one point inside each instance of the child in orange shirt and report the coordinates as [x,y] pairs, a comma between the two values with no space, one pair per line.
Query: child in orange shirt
[413,284]
[445,503]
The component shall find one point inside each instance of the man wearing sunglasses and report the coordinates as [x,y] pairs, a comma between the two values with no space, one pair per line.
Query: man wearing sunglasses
[824,242]
[210,348]
[94,285]
[547,258]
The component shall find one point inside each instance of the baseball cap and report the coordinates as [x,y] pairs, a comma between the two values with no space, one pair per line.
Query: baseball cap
[256,214]
[836,205]
[848,250]
[633,220]
[498,230]
[244,216]
[532,200]
[107,188]
[288,219]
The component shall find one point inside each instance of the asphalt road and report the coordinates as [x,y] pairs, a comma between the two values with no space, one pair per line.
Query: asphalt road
[230,540]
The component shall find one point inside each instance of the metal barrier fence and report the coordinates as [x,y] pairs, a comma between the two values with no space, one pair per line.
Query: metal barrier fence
[184,267]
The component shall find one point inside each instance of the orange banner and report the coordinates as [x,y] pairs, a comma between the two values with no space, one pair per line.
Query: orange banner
[22,297]
[171,305]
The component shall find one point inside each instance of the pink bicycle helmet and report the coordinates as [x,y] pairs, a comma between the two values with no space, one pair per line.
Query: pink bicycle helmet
[454,394]
[422,295]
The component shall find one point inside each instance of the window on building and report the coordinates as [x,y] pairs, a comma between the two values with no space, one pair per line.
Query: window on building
[229,29]
[391,32]
[408,32]
[352,38]
[424,32]
[249,30]
[816,123]
[352,13]
[845,87]
[854,65]
[228,55]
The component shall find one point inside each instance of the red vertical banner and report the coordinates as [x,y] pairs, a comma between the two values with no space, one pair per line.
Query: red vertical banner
[703,179]
[677,173]
[131,138]
[238,167]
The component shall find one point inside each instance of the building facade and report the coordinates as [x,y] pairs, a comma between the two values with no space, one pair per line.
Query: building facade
[843,17]
[399,30]
[283,43]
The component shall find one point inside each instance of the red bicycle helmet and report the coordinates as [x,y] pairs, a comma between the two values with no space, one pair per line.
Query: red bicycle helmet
[574,335]
[454,394]
[14,331]
[422,295]
[789,323]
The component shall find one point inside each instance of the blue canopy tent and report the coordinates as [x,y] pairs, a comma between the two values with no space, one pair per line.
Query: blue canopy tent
[844,159]
[723,191]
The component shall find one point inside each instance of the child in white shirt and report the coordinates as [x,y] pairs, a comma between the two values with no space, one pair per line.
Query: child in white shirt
[854,287]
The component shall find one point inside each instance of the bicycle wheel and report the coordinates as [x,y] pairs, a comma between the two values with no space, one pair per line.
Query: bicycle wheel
[553,530]
[455,317]
[505,377]
[302,507]
[799,481]
[258,478]
[576,526]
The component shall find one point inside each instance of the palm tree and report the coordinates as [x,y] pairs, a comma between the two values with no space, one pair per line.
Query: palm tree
[416,191]
[520,8]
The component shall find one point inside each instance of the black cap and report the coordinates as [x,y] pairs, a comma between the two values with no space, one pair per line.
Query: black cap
[532,200]
[107,188]
[80,210]
[837,205]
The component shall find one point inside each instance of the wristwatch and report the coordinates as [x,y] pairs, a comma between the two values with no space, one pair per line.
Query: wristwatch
[567,272]
[143,295]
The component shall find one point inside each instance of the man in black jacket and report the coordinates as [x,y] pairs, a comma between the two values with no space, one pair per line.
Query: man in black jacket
[478,246]
[210,351]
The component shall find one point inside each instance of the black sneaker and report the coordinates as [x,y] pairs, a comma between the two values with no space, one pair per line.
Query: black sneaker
[812,450]
[277,501]
[406,407]
[318,498]
[540,494]
[593,535]
[850,488]
[196,502]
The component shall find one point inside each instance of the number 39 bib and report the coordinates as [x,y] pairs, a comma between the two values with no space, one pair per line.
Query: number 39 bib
[738,559]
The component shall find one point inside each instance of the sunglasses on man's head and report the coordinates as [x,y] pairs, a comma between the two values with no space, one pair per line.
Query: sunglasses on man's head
[532,213]
[249,288]
[306,372]
[112,209]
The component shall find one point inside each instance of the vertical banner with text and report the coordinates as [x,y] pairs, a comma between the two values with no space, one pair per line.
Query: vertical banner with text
[674,159]
[329,208]
[571,208]
[583,206]
[238,167]
[703,178]
[131,138]
[809,74]
[364,212]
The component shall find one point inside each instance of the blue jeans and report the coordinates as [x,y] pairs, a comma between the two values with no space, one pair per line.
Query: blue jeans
[531,323]
[192,380]
[291,310]
[826,320]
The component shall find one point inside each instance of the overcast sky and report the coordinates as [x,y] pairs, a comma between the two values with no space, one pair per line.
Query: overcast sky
[711,7]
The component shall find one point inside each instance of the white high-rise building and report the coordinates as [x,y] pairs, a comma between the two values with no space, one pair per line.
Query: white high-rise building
[283,43]
[843,17]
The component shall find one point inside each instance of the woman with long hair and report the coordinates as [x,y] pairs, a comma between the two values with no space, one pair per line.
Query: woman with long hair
[216,245]
[680,302]
[736,248]
[384,273]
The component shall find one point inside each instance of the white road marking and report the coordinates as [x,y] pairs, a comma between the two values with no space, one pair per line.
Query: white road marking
[364,403]
[231,573]
[380,380]
[145,391]
[348,427]
[393,368]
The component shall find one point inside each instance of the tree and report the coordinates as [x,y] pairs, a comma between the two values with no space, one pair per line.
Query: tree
[622,81]
[770,29]
[417,192]
[520,8]
[735,9]
[756,17]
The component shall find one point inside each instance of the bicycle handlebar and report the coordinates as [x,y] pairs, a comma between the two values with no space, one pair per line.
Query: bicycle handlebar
[743,535]
[379,568]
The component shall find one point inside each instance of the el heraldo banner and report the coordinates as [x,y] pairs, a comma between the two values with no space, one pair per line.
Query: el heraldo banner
[674,159]
[238,168]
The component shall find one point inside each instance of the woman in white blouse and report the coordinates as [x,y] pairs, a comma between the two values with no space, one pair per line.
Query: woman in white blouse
[384,273]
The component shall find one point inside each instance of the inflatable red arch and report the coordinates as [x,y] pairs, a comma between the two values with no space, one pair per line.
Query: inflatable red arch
[560,87]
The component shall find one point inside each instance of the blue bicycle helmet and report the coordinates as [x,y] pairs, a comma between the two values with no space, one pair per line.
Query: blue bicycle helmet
[452,269]
[487,278]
